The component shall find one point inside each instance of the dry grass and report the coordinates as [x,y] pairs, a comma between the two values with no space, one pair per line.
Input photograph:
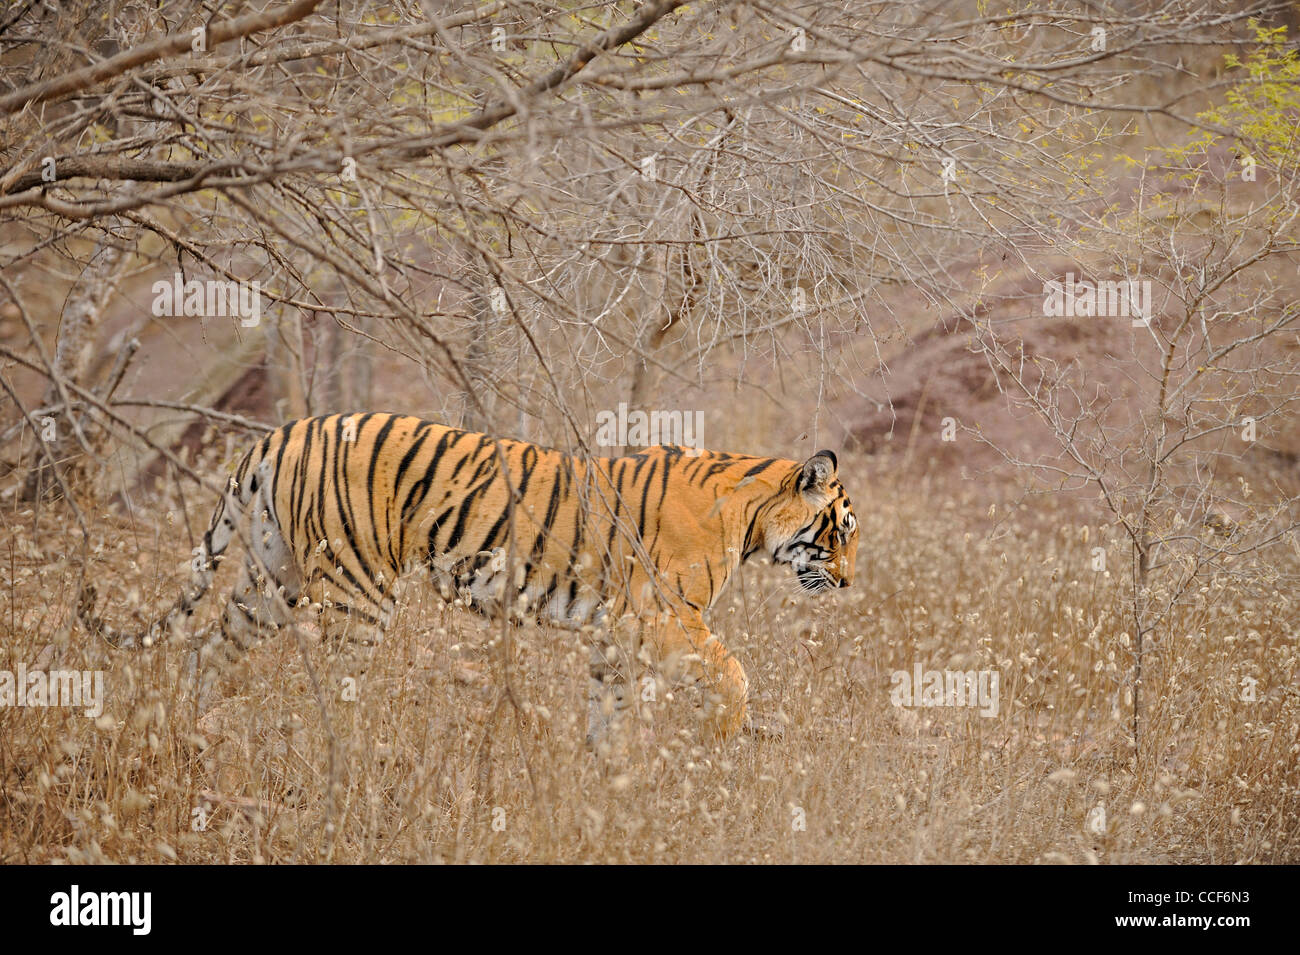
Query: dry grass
[435,762]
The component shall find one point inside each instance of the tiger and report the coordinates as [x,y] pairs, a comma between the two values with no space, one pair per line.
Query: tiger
[335,509]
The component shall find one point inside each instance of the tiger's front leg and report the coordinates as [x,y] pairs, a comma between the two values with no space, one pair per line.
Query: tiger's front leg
[681,651]
[606,693]
[683,645]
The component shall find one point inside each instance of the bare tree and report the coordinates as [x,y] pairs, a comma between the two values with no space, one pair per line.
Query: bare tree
[548,210]
[1190,273]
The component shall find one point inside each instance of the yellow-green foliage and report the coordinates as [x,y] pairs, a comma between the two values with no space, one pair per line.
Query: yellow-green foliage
[1262,110]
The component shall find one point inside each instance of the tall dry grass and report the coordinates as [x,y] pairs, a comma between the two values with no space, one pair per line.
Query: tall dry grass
[464,745]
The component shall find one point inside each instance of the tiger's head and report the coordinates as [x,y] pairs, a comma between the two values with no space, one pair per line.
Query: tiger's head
[812,526]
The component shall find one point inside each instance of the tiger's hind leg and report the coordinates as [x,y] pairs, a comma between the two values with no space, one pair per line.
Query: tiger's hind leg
[261,602]
[351,626]
[349,618]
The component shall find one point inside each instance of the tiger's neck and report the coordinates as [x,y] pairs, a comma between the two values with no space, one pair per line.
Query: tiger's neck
[724,498]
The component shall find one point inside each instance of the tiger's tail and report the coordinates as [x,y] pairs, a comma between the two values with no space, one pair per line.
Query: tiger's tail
[221,530]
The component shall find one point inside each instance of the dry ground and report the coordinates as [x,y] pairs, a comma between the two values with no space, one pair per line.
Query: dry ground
[462,746]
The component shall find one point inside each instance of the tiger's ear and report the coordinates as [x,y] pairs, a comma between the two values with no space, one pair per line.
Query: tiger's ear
[818,471]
